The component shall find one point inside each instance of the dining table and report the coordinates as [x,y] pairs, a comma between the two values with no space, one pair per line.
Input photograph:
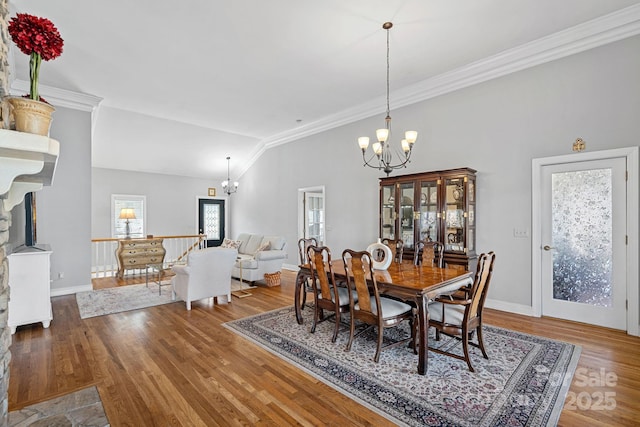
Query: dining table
[403,280]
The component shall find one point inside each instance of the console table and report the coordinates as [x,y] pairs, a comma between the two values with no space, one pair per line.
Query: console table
[138,253]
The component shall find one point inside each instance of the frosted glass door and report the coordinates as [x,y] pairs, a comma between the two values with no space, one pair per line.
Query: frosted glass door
[583,258]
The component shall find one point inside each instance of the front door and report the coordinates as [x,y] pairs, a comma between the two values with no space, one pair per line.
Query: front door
[211,220]
[583,233]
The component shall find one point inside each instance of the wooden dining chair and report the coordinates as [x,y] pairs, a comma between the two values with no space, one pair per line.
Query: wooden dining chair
[429,253]
[391,312]
[326,294]
[303,245]
[397,248]
[459,318]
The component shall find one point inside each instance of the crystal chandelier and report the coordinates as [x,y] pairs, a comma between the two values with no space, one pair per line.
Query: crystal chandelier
[381,149]
[226,185]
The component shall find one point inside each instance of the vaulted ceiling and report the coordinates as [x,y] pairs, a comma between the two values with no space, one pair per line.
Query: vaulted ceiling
[184,84]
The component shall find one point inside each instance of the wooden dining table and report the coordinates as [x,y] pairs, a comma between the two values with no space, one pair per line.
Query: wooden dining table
[401,280]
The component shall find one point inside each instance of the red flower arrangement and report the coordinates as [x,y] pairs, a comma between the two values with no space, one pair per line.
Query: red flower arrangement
[38,38]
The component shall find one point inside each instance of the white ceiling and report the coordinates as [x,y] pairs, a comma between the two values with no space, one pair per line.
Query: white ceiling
[186,83]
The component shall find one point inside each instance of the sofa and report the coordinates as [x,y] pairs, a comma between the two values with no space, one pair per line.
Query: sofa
[257,255]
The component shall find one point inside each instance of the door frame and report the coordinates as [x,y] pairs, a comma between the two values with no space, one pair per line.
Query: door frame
[227,229]
[632,196]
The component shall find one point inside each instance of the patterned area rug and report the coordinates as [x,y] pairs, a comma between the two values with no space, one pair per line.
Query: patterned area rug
[124,298]
[524,382]
[131,297]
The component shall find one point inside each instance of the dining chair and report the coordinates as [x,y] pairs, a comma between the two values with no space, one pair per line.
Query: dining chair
[459,318]
[371,308]
[429,253]
[303,245]
[326,294]
[397,248]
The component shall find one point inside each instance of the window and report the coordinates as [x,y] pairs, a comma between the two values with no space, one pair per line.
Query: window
[136,225]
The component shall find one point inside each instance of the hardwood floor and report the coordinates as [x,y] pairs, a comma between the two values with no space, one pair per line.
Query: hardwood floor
[166,366]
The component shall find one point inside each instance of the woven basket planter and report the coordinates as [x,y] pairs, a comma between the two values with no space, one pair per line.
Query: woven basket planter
[272,279]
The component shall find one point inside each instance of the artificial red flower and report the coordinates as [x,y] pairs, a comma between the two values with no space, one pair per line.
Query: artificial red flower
[33,34]
[38,38]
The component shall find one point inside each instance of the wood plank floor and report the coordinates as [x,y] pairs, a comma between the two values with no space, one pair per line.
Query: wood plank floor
[167,366]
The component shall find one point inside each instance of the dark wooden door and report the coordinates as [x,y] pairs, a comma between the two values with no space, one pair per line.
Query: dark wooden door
[211,219]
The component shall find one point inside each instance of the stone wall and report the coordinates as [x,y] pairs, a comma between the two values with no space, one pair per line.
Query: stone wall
[5,218]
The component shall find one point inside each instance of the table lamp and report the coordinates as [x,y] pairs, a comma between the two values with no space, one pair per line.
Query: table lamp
[127,214]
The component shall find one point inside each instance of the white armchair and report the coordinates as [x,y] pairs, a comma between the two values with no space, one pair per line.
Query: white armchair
[207,274]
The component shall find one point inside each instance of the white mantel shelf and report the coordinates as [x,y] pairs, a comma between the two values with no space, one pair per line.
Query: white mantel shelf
[27,163]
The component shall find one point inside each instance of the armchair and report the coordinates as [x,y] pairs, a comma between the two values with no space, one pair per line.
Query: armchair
[207,274]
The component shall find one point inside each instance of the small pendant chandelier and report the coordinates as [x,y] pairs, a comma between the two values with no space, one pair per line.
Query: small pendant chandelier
[227,188]
[381,149]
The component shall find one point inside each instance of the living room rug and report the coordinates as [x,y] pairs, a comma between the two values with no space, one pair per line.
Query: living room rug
[524,381]
[131,297]
[123,298]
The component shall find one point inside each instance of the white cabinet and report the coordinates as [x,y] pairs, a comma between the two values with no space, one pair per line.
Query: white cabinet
[29,287]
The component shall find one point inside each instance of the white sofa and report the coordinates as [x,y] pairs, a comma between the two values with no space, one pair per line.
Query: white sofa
[207,274]
[256,263]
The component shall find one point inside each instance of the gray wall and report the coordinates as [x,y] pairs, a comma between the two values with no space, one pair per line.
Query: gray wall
[496,127]
[64,209]
[171,200]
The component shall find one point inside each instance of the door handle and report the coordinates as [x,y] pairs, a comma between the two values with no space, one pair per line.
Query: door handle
[547,247]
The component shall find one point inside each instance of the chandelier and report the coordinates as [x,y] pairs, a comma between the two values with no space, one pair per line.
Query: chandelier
[381,149]
[226,185]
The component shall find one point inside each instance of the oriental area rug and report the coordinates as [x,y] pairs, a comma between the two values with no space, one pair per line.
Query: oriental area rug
[524,381]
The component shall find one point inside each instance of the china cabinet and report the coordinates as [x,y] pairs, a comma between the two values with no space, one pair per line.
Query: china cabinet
[438,206]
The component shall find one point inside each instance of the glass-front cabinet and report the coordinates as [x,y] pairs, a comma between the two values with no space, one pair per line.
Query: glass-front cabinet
[437,206]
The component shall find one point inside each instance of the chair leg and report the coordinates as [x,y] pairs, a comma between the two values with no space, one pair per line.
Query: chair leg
[335,332]
[304,298]
[414,333]
[188,305]
[379,347]
[465,349]
[352,330]
[481,342]
[316,315]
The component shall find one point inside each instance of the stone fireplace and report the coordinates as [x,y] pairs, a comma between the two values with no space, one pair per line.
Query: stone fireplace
[5,333]
[27,163]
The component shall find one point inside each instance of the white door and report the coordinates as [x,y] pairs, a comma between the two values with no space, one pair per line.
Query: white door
[583,248]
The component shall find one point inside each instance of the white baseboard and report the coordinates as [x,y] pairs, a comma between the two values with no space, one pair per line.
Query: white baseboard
[292,267]
[510,307]
[71,290]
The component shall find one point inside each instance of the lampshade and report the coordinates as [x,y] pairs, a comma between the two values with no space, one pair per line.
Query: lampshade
[363,141]
[411,136]
[382,134]
[127,213]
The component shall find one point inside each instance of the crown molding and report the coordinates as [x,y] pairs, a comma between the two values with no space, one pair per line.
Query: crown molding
[606,29]
[59,97]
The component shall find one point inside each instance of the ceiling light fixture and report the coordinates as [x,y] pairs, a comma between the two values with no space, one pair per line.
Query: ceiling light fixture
[226,185]
[381,149]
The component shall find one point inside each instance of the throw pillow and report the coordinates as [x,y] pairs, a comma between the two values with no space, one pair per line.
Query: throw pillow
[228,243]
[264,246]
